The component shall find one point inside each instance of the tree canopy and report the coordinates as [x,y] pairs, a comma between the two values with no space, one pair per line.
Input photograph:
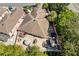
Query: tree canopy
[67,26]
[45,6]
[58,7]
[51,17]
[35,51]
[17,50]
[11,50]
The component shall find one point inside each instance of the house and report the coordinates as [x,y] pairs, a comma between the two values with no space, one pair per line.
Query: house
[35,23]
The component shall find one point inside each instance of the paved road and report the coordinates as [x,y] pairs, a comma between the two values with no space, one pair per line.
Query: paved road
[74,7]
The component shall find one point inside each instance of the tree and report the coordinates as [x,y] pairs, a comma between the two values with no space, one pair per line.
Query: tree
[63,19]
[51,17]
[58,7]
[17,50]
[71,37]
[45,6]
[11,50]
[2,49]
[67,26]
[35,51]
[69,49]
[14,50]
[27,9]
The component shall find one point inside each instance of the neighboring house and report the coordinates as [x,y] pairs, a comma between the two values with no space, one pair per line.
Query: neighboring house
[3,15]
[11,20]
[8,26]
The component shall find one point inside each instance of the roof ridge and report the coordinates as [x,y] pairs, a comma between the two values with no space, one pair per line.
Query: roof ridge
[40,27]
[27,23]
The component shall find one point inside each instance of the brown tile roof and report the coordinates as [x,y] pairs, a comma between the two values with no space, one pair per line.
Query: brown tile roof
[27,18]
[11,20]
[36,26]
[3,27]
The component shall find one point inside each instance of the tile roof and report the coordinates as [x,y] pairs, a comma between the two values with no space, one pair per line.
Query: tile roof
[11,20]
[37,26]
